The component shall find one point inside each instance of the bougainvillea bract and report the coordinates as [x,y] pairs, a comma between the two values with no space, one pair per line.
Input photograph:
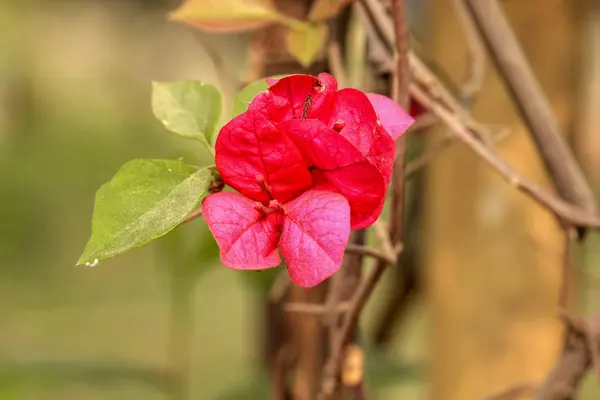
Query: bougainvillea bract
[309,163]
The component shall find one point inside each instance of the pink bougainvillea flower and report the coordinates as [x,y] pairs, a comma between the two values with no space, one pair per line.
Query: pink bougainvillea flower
[351,117]
[310,163]
[279,205]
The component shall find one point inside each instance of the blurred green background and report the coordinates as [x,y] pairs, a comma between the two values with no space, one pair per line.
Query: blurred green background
[74,106]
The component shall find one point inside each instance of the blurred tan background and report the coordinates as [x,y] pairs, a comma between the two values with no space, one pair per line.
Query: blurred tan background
[75,105]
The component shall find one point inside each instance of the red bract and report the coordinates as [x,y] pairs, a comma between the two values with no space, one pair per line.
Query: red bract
[310,163]
[251,153]
[297,96]
[343,165]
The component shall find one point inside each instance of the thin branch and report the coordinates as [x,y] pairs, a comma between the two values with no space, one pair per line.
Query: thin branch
[343,290]
[316,309]
[192,216]
[330,309]
[422,122]
[381,31]
[382,256]
[564,298]
[381,231]
[400,94]
[427,89]
[443,143]
[476,55]
[563,210]
[512,64]
[381,21]
[437,99]
[333,363]
[562,382]
[581,327]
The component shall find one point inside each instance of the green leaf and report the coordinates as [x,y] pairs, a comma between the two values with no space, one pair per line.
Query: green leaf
[305,44]
[189,108]
[226,15]
[244,97]
[143,201]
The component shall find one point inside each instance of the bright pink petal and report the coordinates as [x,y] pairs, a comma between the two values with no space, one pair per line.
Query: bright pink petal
[354,118]
[246,236]
[249,148]
[344,166]
[316,227]
[391,116]
[297,96]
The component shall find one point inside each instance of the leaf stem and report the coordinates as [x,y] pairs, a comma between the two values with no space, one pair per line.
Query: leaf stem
[192,216]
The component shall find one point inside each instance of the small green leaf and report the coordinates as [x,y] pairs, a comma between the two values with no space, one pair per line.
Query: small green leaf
[226,15]
[143,201]
[305,44]
[189,108]
[244,97]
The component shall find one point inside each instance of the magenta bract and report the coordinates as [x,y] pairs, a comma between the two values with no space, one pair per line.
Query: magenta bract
[343,165]
[310,163]
[251,154]
[246,235]
[391,116]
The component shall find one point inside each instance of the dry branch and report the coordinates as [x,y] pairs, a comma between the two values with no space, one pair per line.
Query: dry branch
[563,210]
[577,357]
[358,301]
[512,64]
[507,54]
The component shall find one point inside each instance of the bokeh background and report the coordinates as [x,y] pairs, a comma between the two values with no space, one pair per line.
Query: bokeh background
[75,105]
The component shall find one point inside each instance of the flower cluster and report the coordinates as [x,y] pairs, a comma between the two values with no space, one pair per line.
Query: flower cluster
[310,163]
